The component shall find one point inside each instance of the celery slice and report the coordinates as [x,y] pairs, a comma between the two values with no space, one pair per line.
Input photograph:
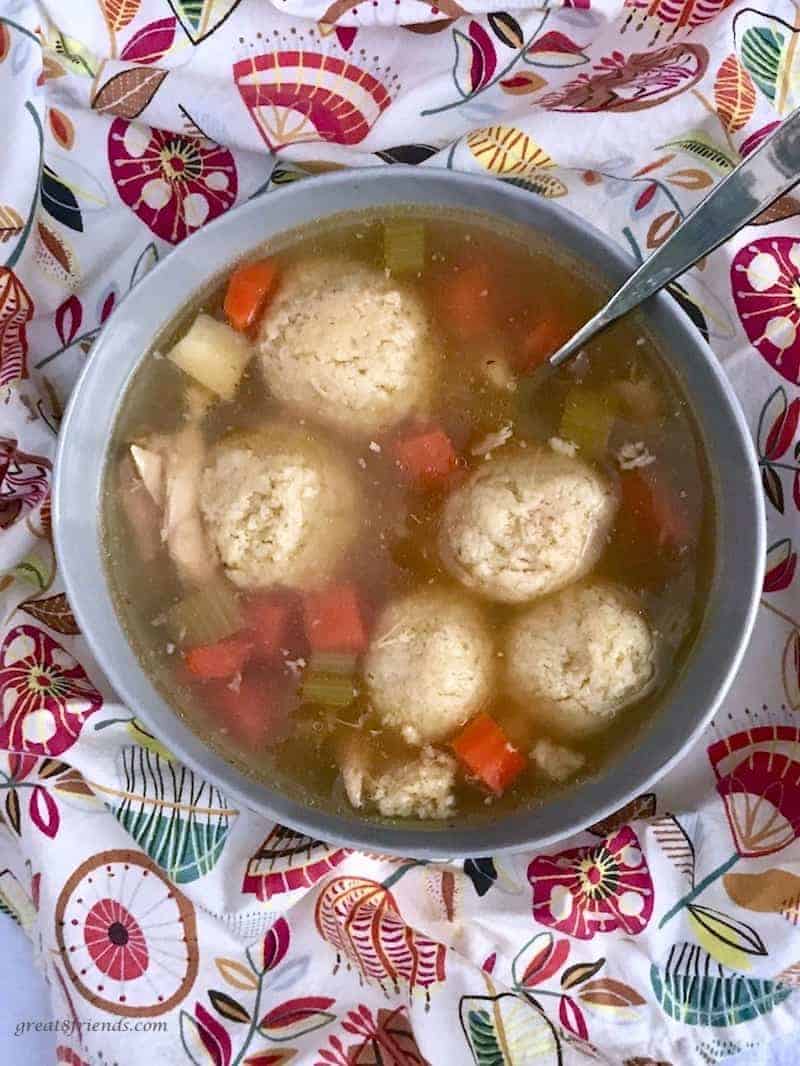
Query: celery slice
[330,679]
[208,615]
[587,420]
[404,246]
[333,662]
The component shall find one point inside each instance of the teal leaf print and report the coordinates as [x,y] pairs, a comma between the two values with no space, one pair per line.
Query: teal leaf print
[200,18]
[505,1030]
[761,57]
[694,990]
[180,820]
[768,50]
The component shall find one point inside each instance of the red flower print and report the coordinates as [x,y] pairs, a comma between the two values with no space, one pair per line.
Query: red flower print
[765,279]
[301,96]
[126,935]
[758,777]
[23,481]
[45,693]
[595,889]
[288,860]
[115,941]
[172,182]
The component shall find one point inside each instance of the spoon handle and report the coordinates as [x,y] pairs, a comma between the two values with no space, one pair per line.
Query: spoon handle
[750,187]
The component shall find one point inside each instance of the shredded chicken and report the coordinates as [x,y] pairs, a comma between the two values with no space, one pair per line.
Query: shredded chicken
[630,456]
[149,463]
[487,444]
[499,374]
[140,510]
[563,447]
[183,529]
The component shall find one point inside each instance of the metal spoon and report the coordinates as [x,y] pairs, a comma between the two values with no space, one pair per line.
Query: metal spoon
[749,188]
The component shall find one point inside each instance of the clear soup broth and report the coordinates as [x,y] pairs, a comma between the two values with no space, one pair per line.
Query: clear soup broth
[278,670]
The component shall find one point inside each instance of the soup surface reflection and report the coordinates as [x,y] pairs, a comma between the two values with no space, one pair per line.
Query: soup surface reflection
[369,559]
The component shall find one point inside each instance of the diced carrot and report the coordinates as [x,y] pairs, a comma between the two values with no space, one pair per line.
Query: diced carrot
[544,339]
[334,619]
[425,458]
[487,753]
[251,714]
[249,288]
[464,300]
[222,659]
[658,512]
[267,619]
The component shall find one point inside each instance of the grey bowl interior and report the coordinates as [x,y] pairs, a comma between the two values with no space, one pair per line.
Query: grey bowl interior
[740,534]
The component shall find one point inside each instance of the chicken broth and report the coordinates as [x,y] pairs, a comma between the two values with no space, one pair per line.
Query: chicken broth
[321,587]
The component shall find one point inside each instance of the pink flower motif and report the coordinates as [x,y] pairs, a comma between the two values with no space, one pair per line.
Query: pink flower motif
[302,96]
[758,778]
[23,481]
[115,941]
[45,695]
[172,182]
[765,279]
[595,889]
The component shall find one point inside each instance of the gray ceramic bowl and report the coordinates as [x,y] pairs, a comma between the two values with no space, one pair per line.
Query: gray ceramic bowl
[740,538]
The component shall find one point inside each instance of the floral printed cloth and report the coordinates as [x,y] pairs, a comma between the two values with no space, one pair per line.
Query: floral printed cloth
[666,935]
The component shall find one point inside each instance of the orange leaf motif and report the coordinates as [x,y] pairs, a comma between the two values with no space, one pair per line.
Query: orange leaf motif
[507,151]
[608,992]
[661,227]
[734,94]
[16,310]
[53,255]
[10,223]
[5,41]
[692,179]
[771,891]
[129,92]
[61,127]
[51,68]
[54,612]
[119,13]
[522,83]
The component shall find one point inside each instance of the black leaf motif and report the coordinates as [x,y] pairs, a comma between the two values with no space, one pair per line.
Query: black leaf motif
[407,153]
[482,874]
[59,200]
[228,1007]
[772,487]
[689,306]
[507,29]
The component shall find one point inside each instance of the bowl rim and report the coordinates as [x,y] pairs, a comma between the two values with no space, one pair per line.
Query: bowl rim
[80,463]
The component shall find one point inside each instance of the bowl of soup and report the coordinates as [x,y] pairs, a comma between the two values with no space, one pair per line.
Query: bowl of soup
[336,542]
